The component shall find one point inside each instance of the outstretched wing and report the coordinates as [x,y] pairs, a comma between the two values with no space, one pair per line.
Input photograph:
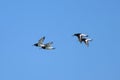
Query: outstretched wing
[41,40]
[84,35]
[48,44]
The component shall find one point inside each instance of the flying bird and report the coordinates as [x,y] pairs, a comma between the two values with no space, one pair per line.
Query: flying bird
[86,41]
[80,36]
[46,46]
[40,42]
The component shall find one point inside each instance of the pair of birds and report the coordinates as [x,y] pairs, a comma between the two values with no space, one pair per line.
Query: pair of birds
[46,46]
[81,37]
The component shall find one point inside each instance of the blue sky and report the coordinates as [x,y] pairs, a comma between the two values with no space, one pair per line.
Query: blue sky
[23,22]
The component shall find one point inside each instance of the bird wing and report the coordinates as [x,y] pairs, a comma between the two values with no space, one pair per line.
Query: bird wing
[84,35]
[41,40]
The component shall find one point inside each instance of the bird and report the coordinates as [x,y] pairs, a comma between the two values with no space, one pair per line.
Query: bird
[46,46]
[86,41]
[40,42]
[80,36]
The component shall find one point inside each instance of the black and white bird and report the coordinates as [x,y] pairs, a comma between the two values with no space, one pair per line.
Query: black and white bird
[86,41]
[80,36]
[40,42]
[46,46]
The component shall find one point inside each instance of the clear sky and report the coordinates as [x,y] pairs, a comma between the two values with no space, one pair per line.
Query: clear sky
[24,22]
